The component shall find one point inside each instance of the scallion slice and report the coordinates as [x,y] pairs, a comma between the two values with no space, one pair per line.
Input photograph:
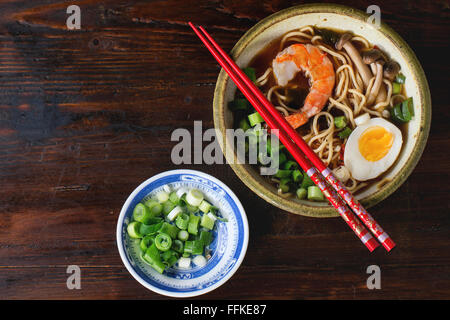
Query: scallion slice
[204,206]
[193,224]
[154,206]
[400,78]
[208,221]
[301,193]
[152,257]
[199,261]
[169,229]
[345,133]
[396,88]
[133,230]
[174,213]
[340,122]
[184,263]
[194,197]
[163,242]
[255,118]
[141,213]
[183,235]
[182,221]
[167,207]
[162,196]
[314,194]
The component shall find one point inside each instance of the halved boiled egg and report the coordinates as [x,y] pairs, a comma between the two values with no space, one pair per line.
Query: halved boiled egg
[372,148]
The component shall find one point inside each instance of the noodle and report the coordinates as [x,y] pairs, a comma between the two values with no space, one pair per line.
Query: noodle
[348,97]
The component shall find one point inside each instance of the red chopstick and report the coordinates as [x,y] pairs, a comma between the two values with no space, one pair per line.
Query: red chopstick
[367,219]
[260,103]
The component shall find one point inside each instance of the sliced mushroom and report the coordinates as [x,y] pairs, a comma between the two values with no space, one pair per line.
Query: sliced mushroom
[391,69]
[376,61]
[363,69]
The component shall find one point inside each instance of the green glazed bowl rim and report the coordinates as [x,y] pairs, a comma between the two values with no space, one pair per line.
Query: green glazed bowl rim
[303,208]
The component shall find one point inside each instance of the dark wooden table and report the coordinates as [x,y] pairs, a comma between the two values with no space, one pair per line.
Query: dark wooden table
[86,116]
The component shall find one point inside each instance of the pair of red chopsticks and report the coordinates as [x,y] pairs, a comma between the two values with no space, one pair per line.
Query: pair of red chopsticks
[301,152]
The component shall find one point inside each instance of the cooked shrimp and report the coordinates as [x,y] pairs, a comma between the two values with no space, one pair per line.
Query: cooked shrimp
[317,67]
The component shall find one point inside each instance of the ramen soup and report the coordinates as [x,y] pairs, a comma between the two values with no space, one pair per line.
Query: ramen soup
[345,97]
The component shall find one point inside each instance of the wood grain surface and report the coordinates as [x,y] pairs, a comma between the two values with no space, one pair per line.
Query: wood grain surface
[86,116]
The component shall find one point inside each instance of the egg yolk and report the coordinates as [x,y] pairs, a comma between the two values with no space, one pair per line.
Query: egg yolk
[375,143]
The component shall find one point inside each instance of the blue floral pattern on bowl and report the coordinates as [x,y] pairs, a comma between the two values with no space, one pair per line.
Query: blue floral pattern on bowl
[226,251]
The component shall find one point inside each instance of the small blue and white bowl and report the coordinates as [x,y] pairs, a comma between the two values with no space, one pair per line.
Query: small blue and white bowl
[227,249]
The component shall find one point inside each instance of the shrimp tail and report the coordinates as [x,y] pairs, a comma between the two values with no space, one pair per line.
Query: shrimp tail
[297,119]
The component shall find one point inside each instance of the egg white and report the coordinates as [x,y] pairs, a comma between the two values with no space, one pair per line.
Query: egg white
[362,169]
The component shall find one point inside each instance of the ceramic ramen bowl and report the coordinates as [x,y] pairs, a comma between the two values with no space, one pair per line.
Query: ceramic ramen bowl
[342,18]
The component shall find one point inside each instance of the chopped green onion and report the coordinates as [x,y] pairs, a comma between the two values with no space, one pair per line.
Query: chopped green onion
[178,245]
[290,165]
[167,207]
[250,72]
[207,221]
[297,175]
[283,187]
[254,119]
[400,78]
[183,235]
[406,111]
[182,221]
[205,237]
[174,213]
[163,241]
[154,206]
[340,122]
[301,193]
[193,247]
[184,262]
[194,197]
[162,196]
[314,194]
[154,220]
[396,88]
[345,133]
[307,182]
[146,242]
[169,257]
[204,206]
[409,101]
[152,257]
[169,229]
[403,112]
[133,230]
[173,197]
[199,261]
[141,213]
[193,224]
[283,173]
[150,229]
[191,209]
